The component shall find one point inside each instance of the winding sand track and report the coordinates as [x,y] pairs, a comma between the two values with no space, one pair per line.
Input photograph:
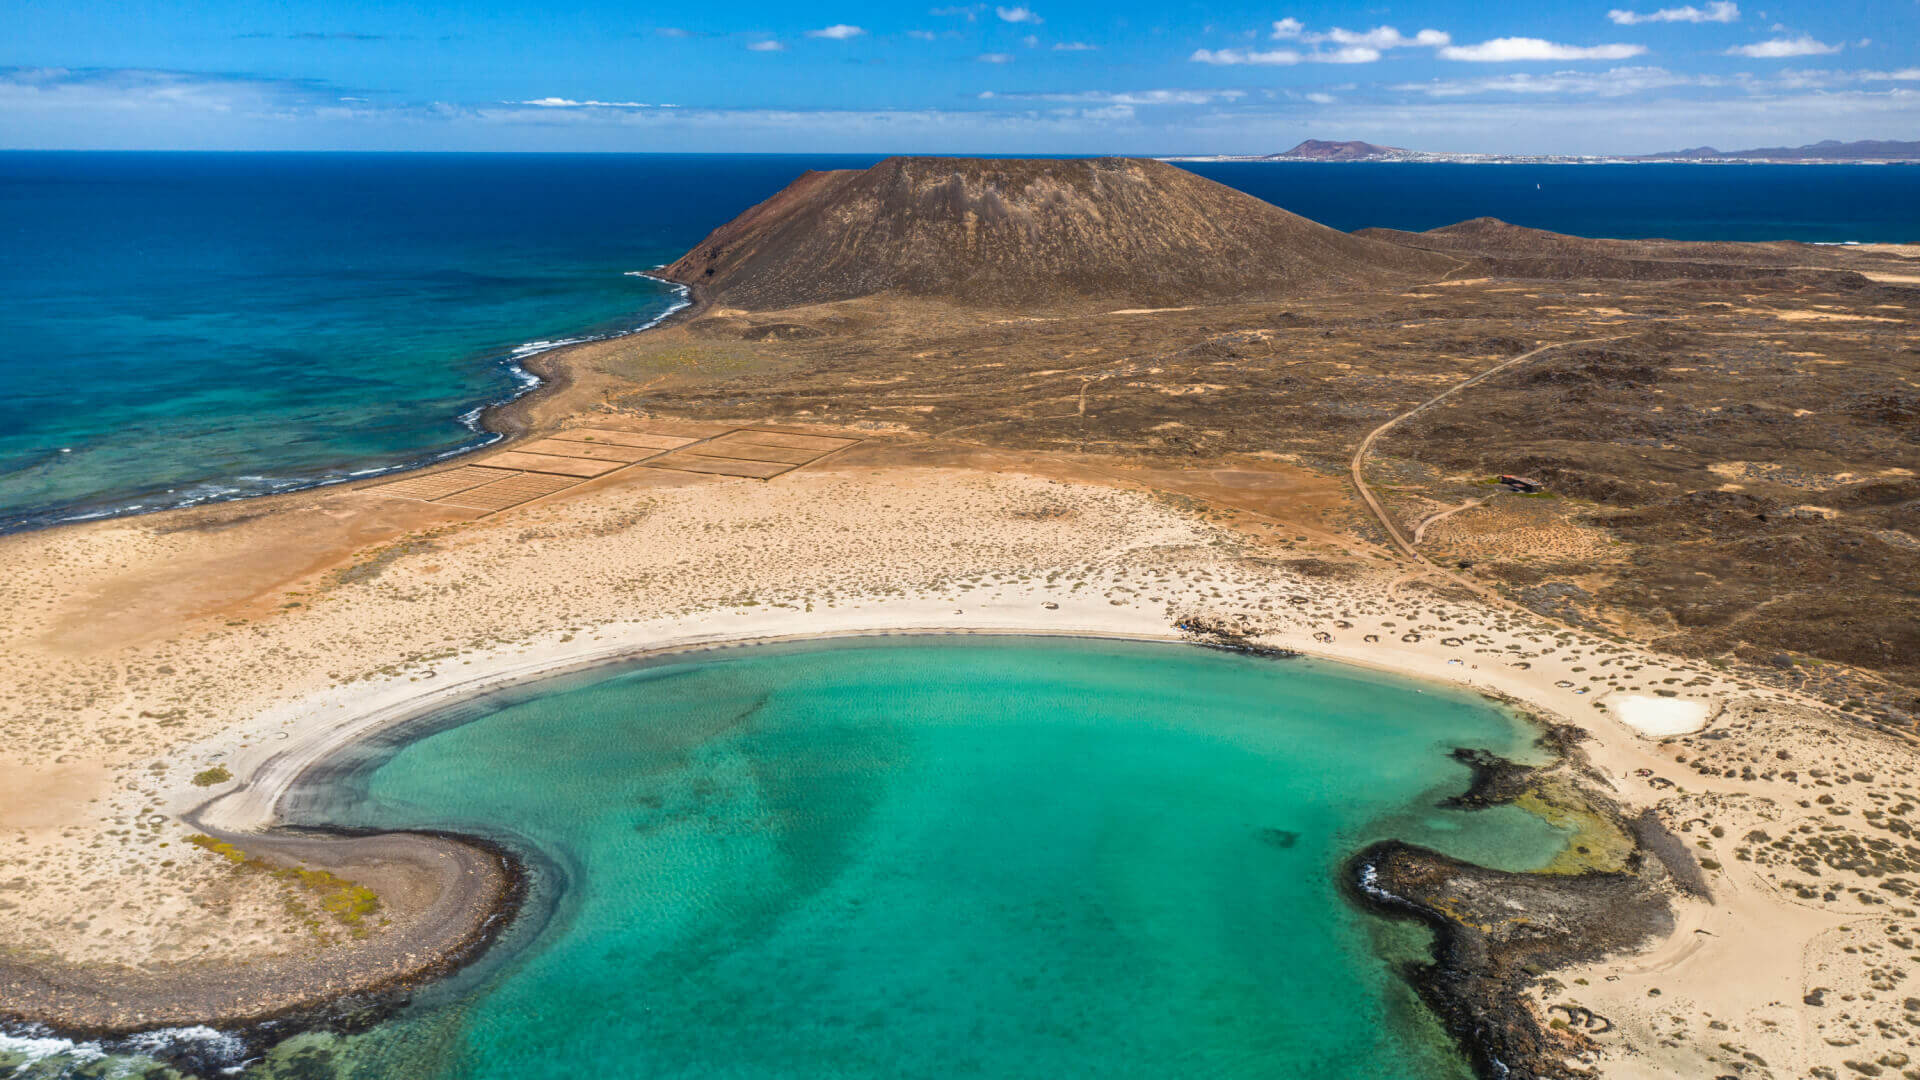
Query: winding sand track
[1420,530]
[1359,456]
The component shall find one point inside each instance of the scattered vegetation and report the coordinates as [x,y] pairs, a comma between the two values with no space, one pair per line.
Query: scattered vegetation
[348,903]
[218,774]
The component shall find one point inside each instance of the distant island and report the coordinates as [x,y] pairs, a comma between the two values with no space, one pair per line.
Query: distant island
[1825,152]
[1354,150]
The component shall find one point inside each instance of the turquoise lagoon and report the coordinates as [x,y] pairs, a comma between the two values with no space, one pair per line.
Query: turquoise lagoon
[936,856]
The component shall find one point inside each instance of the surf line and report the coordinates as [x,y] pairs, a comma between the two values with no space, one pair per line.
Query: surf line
[205,493]
[529,381]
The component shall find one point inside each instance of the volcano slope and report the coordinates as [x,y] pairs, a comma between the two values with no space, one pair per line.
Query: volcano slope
[1128,311]
[1027,233]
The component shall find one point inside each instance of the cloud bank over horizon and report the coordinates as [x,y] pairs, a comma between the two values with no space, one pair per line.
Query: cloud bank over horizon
[972,79]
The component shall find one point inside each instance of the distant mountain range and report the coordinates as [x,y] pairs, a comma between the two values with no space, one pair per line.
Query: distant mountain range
[1824,150]
[1828,151]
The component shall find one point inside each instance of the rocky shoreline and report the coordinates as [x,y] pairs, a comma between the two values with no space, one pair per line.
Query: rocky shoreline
[452,895]
[1498,934]
[515,417]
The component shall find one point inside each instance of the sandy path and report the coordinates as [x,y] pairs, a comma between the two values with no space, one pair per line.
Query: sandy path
[1420,530]
[1357,467]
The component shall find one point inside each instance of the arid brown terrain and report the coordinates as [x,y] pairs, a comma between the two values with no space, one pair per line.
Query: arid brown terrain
[1734,471]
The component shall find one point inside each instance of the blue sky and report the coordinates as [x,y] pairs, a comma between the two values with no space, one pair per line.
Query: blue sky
[1613,76]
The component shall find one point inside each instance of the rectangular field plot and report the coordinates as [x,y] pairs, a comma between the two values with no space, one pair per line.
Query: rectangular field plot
[549,463]
[441,484]
[685,461]
[512,491]
[819,444]
[596,451]
[726,446]
[624,438]
[571,457]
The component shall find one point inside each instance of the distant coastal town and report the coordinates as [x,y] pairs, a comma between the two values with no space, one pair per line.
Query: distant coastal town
[1825,152]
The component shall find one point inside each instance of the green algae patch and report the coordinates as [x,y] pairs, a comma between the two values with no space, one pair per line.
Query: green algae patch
[349,904]
[1597,843]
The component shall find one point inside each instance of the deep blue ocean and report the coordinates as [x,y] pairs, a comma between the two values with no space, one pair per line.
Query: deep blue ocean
[185,327]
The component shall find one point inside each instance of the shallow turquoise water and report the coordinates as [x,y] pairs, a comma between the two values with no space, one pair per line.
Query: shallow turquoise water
[935,857]
[945,856]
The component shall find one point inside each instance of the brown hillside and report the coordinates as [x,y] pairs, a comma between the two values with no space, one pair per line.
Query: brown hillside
[1501,249]
[1491,236]
[1028,232]
[1492,246]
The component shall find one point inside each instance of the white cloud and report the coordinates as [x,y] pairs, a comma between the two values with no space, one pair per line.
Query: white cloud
[995,58]
[569,103]
[1322,99]
[1244,56]
[1508,49]
[1623,82]
[1017,15]
[1803,45]
[1618,82]
[135,109]
[921,35]
[1720,11]
[1381,37]
[969,12]
[766,46]
[1074,46]
[1031,41]
[140,90]
[1123,97]
[836,32]
[1353,46]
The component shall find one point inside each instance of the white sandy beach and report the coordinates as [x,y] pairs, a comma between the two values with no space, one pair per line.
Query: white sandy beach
[265,668]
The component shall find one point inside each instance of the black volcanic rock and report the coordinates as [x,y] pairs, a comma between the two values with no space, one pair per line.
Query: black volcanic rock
[1027,232]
